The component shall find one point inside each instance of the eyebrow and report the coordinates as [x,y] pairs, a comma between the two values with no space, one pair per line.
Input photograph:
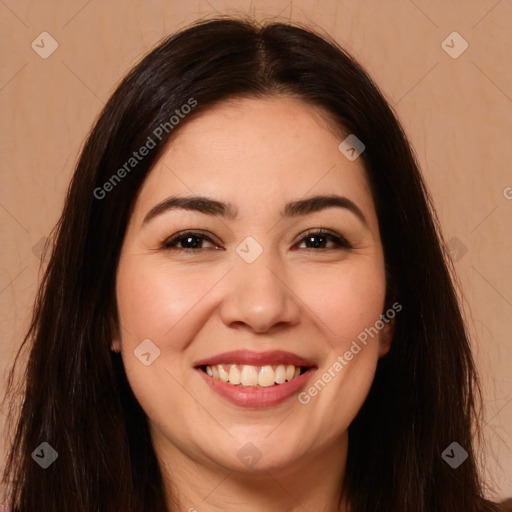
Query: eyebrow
[212,207]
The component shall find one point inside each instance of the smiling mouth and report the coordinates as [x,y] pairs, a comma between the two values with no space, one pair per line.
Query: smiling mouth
[242,375]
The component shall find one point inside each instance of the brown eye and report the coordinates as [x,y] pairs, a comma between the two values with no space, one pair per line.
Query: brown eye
[187,241]
[319,238]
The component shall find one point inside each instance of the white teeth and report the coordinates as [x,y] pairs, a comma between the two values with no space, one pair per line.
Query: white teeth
[223,374]
[266,376]
[248,375]
[280,375]
[234,375]
[290,372]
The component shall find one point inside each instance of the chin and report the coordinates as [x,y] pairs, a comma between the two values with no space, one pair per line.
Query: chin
[255,454]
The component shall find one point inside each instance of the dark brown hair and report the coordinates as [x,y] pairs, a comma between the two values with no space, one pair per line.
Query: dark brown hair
[76,396]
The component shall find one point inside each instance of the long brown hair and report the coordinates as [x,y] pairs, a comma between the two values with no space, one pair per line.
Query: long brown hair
[76,396]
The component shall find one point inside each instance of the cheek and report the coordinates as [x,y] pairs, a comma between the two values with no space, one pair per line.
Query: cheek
[157,303]
[153,300]
[347,300]
[349,303]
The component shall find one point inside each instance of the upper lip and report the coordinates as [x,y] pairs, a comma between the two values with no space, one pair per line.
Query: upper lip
[248,357]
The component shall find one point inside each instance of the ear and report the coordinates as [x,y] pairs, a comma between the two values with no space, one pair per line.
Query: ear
[386,337]
[115,344]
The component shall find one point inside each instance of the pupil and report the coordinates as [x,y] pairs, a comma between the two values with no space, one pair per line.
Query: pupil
[317,244]
[187,240]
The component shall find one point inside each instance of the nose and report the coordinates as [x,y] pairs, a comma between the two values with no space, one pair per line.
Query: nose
[258,297]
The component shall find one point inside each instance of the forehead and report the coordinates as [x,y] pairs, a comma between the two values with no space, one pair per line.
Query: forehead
[254,153]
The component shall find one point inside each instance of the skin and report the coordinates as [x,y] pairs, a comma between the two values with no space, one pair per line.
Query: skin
[257,154]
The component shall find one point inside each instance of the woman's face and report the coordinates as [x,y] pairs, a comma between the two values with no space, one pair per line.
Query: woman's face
[250,294]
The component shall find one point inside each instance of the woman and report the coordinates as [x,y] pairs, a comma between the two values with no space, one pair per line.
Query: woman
[248,304]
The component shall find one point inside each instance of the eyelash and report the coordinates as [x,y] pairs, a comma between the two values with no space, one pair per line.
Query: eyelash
[342,243]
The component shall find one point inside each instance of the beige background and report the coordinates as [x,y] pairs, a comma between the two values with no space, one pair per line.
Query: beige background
[457,112]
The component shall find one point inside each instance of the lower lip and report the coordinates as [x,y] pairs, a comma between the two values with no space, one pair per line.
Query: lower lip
[257,397]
